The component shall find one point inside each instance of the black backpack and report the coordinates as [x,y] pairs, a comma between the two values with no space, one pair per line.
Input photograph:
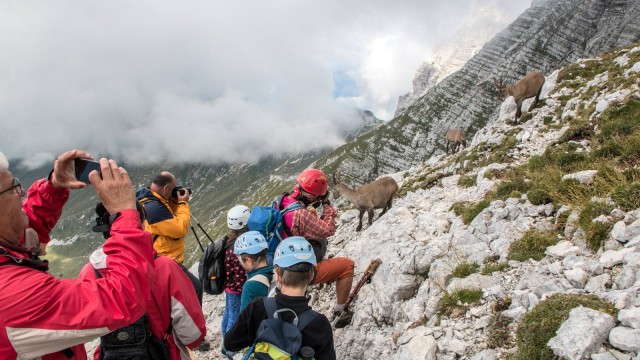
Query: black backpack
[134,342]
[211,269]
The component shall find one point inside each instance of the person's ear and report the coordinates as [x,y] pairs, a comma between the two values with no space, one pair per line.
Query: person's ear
[314,273]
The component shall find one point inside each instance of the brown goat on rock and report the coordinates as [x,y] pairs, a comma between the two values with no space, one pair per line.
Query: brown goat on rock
[455,138]
[376,195]
[527,87]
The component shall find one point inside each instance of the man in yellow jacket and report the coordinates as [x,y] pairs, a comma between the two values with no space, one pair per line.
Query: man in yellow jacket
[168,220]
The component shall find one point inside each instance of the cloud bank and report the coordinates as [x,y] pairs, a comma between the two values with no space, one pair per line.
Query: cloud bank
[208,81]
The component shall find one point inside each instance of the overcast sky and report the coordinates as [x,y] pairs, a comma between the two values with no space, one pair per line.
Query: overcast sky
[208,81]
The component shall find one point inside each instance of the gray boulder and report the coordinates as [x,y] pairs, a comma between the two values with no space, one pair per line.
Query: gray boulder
[581,334]
[625,338]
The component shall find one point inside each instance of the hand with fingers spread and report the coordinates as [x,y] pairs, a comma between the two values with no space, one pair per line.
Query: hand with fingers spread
[63,176]
[114,188]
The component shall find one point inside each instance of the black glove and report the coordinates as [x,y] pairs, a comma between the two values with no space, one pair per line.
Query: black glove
[325,198]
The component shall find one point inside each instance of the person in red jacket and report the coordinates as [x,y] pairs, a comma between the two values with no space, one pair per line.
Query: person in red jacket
[313,190]
[173,304]
[49,318]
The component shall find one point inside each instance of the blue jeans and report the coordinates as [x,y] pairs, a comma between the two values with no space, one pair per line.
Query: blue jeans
[231,312]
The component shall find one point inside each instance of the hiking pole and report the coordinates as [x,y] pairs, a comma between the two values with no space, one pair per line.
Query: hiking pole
[366,278]
[197,239]
[196,235]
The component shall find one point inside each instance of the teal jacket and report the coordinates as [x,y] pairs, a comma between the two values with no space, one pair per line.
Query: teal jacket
[252,288]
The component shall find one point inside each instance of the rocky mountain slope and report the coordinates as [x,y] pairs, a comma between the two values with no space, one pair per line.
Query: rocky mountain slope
[451,56]
[532,229]
[546,37]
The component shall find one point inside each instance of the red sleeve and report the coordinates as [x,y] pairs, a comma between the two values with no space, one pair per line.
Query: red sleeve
[43,207]
[186,313]
[44,314]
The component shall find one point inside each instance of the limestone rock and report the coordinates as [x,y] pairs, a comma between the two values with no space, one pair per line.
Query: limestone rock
[630,317]
[625,338]
[583,177]
[581,334]
[562,249]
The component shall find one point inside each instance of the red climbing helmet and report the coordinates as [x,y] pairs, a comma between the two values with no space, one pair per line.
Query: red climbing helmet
[313,181]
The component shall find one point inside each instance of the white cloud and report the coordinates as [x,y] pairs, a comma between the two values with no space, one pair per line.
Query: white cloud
[205,80]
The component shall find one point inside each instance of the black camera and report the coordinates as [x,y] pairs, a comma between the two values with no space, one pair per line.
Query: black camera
[179,189]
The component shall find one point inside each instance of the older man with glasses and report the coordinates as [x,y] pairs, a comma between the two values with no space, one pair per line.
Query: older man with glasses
[48,318]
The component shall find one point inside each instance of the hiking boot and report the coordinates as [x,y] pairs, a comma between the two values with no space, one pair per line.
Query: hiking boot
[344,320]
[204,346]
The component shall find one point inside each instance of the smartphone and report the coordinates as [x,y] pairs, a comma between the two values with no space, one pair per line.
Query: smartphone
[83,167]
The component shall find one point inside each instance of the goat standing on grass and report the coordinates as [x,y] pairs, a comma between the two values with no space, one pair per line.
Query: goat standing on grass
[377,195]
[455,138]
[527,87]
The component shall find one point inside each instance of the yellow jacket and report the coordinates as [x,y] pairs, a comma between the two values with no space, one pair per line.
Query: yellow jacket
[169,223]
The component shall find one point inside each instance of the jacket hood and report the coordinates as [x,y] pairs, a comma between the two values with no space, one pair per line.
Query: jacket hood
[143,192]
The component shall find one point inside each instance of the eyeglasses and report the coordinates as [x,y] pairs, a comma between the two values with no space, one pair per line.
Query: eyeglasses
[15,186]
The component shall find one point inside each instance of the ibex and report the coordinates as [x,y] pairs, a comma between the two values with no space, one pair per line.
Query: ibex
[455,137]
[527,87]
[377,195]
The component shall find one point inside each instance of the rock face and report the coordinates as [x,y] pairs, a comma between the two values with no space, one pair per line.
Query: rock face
[546,37]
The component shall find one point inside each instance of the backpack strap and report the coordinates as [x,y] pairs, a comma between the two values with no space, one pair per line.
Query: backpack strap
[277,203]
[261,279]
[304,318]
[270,306]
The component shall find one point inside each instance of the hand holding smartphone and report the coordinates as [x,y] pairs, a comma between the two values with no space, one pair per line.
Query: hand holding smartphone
[83,167]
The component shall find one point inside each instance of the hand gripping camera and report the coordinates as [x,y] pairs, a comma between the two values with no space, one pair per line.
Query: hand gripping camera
[179,189]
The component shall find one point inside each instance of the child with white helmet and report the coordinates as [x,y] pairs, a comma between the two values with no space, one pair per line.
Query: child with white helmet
[294,269]
[251,251]
[235,274]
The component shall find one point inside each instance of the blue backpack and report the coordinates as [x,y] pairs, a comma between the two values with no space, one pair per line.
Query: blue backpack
[269,221]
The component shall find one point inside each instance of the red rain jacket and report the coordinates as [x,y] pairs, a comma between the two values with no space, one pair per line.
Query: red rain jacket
[41,316]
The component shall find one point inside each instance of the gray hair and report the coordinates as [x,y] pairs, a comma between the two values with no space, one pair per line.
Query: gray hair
[4,163]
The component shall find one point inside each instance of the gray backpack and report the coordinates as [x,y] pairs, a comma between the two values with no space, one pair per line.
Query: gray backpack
[277,338]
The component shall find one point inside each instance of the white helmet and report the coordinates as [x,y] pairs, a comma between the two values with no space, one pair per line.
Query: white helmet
[237,217]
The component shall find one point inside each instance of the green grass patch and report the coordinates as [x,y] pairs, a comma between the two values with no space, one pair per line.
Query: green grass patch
[494,173]
[469,211]
[592,211]
[448,305]
[540,324]
[513,186]
[493,267]
[578,130]
[596,232]
[499,335]
[585,70]
[467,181]
[465,269]
[538,195]
[532,245]
[627,195]
[423,181]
